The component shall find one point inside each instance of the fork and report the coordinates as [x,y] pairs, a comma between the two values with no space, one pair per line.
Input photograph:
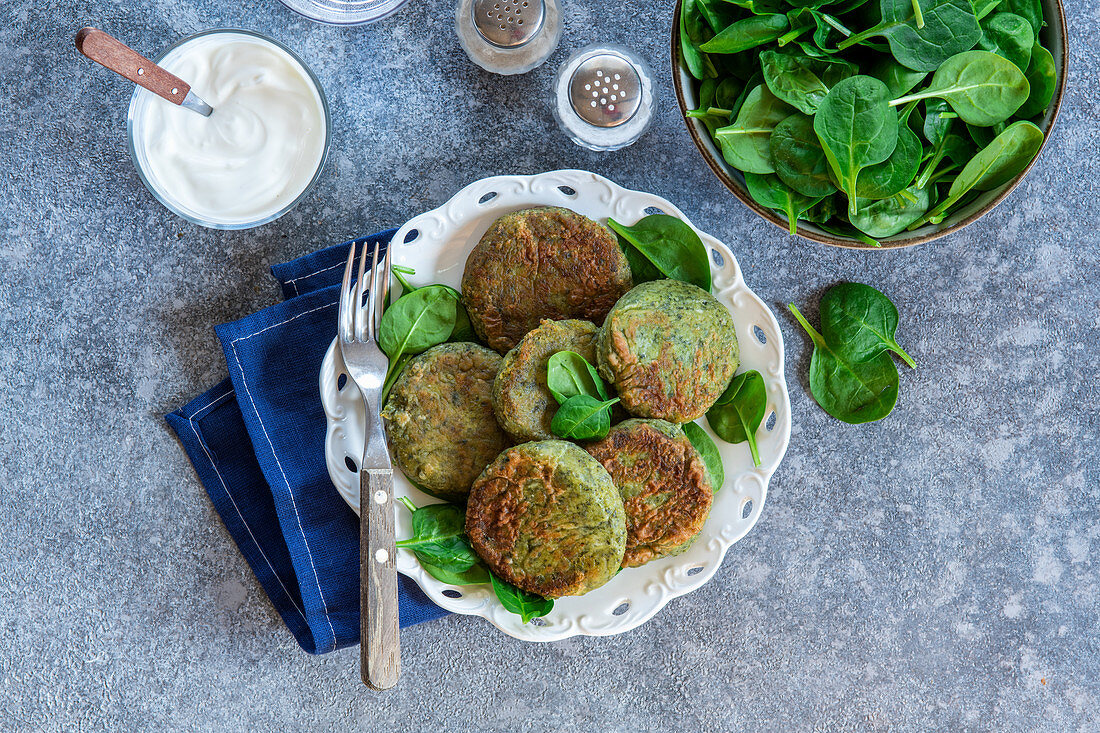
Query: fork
[380,642]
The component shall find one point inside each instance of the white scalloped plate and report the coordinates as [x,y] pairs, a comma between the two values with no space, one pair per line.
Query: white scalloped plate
[436,245]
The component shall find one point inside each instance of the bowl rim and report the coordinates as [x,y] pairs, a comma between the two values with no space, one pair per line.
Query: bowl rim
[146,178]
[678,75]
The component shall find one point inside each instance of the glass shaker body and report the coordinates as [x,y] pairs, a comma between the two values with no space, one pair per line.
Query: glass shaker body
[603,97]
[508,36]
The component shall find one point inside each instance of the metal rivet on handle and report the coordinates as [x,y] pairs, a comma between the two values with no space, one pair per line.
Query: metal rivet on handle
[605,90]
[508,23]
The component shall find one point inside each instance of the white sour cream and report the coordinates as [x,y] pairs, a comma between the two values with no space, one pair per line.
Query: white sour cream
[259,149]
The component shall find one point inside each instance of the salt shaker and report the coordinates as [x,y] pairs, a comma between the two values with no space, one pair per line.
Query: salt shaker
[604,97]
[508,36]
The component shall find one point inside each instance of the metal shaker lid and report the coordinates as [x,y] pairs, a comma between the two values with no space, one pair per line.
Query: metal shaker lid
[605,90]
[508,23]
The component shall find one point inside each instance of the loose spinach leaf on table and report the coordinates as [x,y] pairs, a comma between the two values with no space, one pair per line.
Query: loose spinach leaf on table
[982,87]
[1010,36]
[526,605]
[439,543]
[737,414]
[664,244]
[771,192]
[582,417]
[949,27]
[798,158]
[857,129]
[708,451]
[745,143]
[569,374]
[851,391]
[859,322]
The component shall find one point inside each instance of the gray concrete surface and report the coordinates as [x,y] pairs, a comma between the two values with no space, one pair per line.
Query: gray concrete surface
[935,571]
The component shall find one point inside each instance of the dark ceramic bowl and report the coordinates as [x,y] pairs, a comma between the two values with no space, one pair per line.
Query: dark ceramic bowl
[1053,37]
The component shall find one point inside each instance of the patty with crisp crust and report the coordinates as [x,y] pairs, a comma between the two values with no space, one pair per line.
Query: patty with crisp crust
[548,263]
[670,349]
[522,402]
[663,483]
[439,418]
[546,517]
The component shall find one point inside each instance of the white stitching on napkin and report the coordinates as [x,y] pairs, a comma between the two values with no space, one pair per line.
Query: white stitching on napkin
[225,488]
[293,500]
[294,282]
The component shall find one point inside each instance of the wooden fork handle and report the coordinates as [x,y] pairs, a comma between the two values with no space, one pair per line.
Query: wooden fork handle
[379,636]
[118,57]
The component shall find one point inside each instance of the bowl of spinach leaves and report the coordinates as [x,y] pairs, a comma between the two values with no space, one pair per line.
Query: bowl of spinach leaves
[870,123]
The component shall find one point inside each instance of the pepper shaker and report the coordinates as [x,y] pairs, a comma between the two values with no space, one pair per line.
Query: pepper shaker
[604,97]
[508,36]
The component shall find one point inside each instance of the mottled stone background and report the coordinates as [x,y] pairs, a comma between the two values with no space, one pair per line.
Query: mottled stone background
[934,571]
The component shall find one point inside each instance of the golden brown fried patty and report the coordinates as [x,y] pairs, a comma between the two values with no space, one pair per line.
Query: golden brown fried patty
[670,349]
[663,483]
[523,404]
[439,418]
[546,517]
[541,263]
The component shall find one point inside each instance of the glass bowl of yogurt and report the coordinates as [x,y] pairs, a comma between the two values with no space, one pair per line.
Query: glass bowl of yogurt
[257,155]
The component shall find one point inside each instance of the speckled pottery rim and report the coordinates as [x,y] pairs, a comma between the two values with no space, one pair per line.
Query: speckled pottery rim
[141,97]
[436,245]
[1054,36]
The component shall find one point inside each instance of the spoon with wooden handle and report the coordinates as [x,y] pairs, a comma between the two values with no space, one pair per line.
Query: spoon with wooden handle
[121,59]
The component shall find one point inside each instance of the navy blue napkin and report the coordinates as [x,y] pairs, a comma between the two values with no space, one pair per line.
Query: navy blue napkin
[257,443]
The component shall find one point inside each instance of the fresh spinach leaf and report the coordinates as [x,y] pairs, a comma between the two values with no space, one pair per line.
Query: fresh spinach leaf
[1042,77]
[569,374]
[1031,10]
[996,164]
[747,33]
[982,87]
[1010,36]
[669,246]
[802,81]
[708,451]
[526,605]
[859,322]
[745,143]
[737,414]
[898,78]
[414,323]
[692,32]
[798,158]
[439,543]
[983,8]
[949,27]
[771,192]
[894,174]
[889,216]
[851,391]
[857,129]
[582,417]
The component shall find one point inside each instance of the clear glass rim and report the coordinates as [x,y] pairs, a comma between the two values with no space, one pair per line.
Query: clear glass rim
[327,13]
[189,215]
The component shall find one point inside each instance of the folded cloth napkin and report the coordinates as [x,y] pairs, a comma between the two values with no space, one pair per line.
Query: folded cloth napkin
[257,443]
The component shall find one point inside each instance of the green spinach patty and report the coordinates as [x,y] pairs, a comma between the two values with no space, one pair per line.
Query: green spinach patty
[537,264]
[439,418]
[670,349]
[522,402]
[663,483]
[546,517]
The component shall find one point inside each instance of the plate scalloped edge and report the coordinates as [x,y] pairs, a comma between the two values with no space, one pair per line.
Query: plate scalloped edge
[636,594]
